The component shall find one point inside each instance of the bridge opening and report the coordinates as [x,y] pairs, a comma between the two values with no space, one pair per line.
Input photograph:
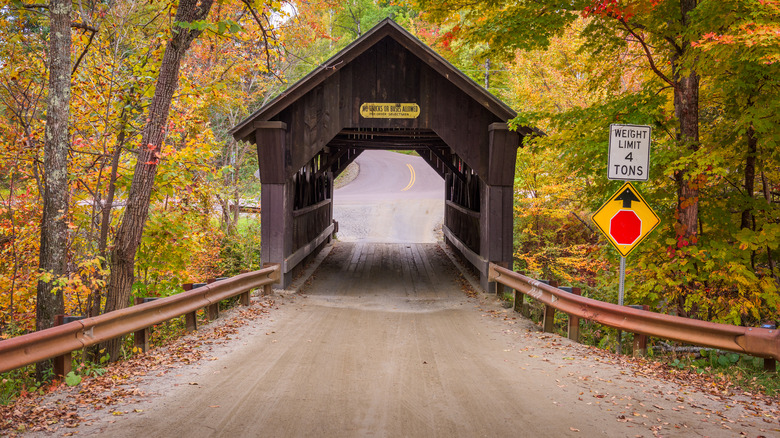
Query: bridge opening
[385,91]
[393,198]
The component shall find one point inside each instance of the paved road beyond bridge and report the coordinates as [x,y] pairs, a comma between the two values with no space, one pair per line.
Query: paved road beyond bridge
[384,341]
[395,198]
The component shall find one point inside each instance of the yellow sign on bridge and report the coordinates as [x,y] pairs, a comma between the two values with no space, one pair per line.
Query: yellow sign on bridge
[390,110]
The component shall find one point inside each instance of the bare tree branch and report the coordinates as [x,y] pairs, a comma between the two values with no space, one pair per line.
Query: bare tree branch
[647,53]
[86,49]
[266,38]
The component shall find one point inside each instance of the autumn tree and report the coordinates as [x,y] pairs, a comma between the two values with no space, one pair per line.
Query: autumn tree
[702,74]
[23,86]
[54,222]
[128,238]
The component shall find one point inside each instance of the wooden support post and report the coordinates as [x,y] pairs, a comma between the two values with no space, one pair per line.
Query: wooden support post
[191,321]
[141,337]
[268,288]
[519,301]
[640,345]
[548,318]
[525,308]
[770,364]
[574,321]
[277,194]
[243,299]
[496,189]
[495,238]
[640,341]
[212,311]
[62,364]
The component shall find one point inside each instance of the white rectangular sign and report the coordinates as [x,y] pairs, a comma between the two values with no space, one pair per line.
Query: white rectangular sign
[629,152]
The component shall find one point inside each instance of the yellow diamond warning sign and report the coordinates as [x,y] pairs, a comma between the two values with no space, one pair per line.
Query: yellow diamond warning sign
[626,219]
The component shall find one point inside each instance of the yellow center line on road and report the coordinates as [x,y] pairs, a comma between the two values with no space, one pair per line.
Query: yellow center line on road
[411,180]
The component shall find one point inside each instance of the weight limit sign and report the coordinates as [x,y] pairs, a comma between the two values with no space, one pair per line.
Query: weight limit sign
[629,152]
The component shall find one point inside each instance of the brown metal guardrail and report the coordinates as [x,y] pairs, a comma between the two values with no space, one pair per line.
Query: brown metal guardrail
[60,340]
[755,341]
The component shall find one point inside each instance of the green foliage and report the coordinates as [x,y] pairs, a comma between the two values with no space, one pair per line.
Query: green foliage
[72,379]
[577,67]
[16,382]
[240,252]
[739,369]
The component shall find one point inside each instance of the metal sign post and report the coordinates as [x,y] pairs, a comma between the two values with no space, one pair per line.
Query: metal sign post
[626,220]
[621,289]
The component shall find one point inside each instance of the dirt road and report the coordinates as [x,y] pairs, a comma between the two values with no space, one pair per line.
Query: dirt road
[385,342]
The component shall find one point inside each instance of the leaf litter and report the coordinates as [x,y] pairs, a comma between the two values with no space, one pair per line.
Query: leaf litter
[62,407]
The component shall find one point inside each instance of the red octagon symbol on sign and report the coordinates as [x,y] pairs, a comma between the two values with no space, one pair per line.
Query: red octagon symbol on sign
[625,227]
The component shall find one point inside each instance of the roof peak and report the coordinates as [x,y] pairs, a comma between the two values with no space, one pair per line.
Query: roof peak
[386,27]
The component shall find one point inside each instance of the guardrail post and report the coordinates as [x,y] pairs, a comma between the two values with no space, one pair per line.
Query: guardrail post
[573,331]
[62,364]
[640,341]
[141,337]
[267,289]
[770,364]
[519,302]
[190,319]
[212,311]
[548,319]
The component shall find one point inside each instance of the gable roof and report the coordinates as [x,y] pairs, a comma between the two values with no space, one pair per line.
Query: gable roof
[386,27]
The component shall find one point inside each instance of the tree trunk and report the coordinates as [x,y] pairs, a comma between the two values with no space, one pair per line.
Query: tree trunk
[130,231]
[54,222]
[750,178]
[686,109]
[768,197]
[748,220]
[105,222]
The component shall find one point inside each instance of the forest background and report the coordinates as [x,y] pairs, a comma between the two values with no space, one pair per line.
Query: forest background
[704,74]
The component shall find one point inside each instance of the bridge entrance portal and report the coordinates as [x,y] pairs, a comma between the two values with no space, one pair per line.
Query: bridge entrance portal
[386,90]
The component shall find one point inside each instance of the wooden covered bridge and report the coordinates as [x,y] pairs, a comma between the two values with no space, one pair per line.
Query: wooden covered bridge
[386,90]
